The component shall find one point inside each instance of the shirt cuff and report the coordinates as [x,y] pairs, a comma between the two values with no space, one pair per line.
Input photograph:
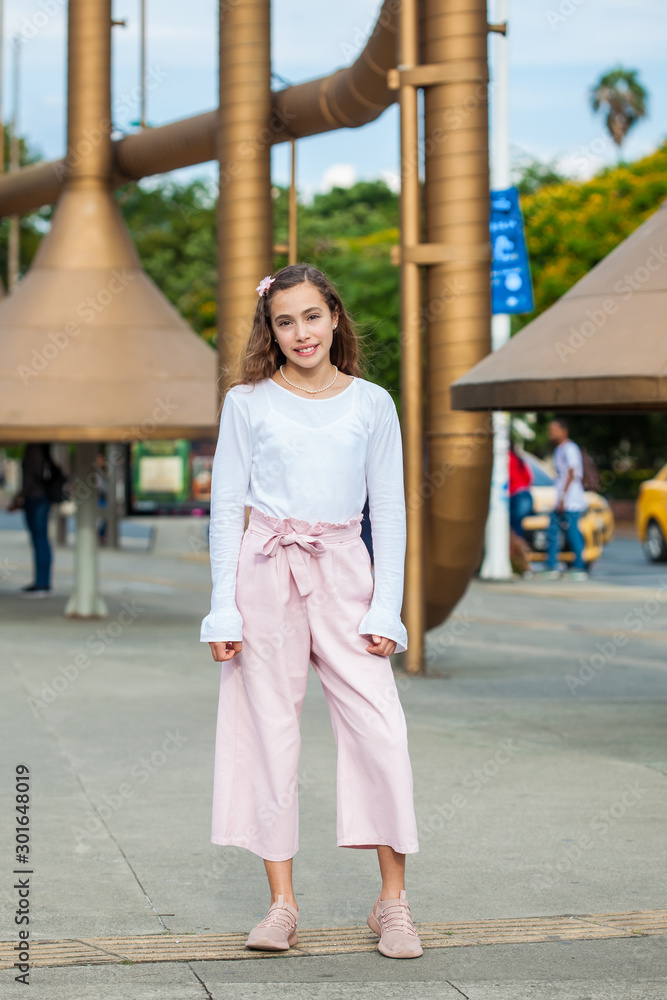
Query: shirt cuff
[222,626]
[378,621]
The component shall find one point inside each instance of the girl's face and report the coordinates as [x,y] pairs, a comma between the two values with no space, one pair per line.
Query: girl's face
[303,325]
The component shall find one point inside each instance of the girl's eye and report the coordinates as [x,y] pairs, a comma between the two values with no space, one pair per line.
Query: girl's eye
[312,316]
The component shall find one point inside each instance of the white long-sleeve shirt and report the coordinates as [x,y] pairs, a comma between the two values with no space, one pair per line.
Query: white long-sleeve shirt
[313,459]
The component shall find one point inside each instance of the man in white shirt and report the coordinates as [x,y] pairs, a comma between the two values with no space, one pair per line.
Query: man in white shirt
[570,500]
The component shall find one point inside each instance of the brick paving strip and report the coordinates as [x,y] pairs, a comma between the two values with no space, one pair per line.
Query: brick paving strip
[187,947]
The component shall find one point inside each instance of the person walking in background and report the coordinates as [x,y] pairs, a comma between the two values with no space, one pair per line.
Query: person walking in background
[521,499]
[34,501]
[570,501]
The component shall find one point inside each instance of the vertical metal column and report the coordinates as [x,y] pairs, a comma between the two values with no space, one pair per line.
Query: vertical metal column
[411,345]
[245,206]
[2,106]
[14,249]
[89,170]
[85,601]
[458,291]
[452,493]
[497,564]
[293,236]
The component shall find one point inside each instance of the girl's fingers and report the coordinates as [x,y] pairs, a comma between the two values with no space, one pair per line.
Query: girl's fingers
[222,651]
[381,646]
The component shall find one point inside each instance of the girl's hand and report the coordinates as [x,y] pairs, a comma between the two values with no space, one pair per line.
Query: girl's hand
[224,650]
[381,646]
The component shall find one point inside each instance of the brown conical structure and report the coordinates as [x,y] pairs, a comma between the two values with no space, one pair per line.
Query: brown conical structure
[89,346]
[602,346]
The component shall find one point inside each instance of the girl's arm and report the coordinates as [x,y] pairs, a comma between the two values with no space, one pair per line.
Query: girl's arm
[230,478]
[386,501]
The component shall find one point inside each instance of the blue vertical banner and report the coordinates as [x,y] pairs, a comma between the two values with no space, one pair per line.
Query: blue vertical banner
[511,287]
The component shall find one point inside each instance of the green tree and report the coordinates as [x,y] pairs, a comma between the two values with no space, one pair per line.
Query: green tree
[31,227]
[622,98]
[530,175]
[173,227]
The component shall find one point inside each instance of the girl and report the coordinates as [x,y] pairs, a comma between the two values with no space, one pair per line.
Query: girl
[303,441]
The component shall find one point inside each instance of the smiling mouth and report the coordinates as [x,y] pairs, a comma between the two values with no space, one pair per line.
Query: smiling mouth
[306,351]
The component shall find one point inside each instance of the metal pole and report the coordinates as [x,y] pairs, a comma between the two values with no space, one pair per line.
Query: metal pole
[114,460]
[293,236]
[244,153]
[497,565]
[2,86]
[457,308]
[85,601]
[142,60]
[2,109]
[411,347]
[14,231]
[88,102]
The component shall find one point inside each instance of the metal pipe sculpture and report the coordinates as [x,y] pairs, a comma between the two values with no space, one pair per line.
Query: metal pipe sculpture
[458,291]
[454,491]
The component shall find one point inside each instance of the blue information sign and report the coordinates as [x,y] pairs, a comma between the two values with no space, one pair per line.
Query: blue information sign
[511,288]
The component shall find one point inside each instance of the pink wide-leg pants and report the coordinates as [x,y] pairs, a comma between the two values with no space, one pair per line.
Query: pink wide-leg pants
[302,591]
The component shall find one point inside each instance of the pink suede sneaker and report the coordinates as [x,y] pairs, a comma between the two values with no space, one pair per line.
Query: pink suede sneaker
[277,931]
[392,922]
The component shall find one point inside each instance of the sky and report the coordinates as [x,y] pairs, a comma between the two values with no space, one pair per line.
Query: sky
[557,50]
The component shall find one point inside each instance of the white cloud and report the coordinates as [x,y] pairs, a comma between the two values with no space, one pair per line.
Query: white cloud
[339,175]
[392,180]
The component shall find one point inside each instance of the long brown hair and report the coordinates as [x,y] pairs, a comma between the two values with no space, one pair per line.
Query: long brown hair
[262,355]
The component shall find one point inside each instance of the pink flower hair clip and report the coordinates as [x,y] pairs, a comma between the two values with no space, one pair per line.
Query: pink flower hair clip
[265,284]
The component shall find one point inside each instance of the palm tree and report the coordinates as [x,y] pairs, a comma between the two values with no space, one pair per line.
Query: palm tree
[624,99]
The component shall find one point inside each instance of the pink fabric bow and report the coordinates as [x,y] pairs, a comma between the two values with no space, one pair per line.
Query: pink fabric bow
[265,284]
[295,543]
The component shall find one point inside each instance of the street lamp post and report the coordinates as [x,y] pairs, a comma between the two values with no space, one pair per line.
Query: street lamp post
[14,230]
[497,565]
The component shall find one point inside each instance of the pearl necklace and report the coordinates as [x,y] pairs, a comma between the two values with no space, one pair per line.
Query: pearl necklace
[309,390]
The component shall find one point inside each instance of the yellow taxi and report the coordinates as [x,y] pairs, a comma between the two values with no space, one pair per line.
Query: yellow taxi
[651,517]
[596,523]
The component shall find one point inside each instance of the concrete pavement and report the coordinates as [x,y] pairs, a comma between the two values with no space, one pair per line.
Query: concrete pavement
[539,758]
